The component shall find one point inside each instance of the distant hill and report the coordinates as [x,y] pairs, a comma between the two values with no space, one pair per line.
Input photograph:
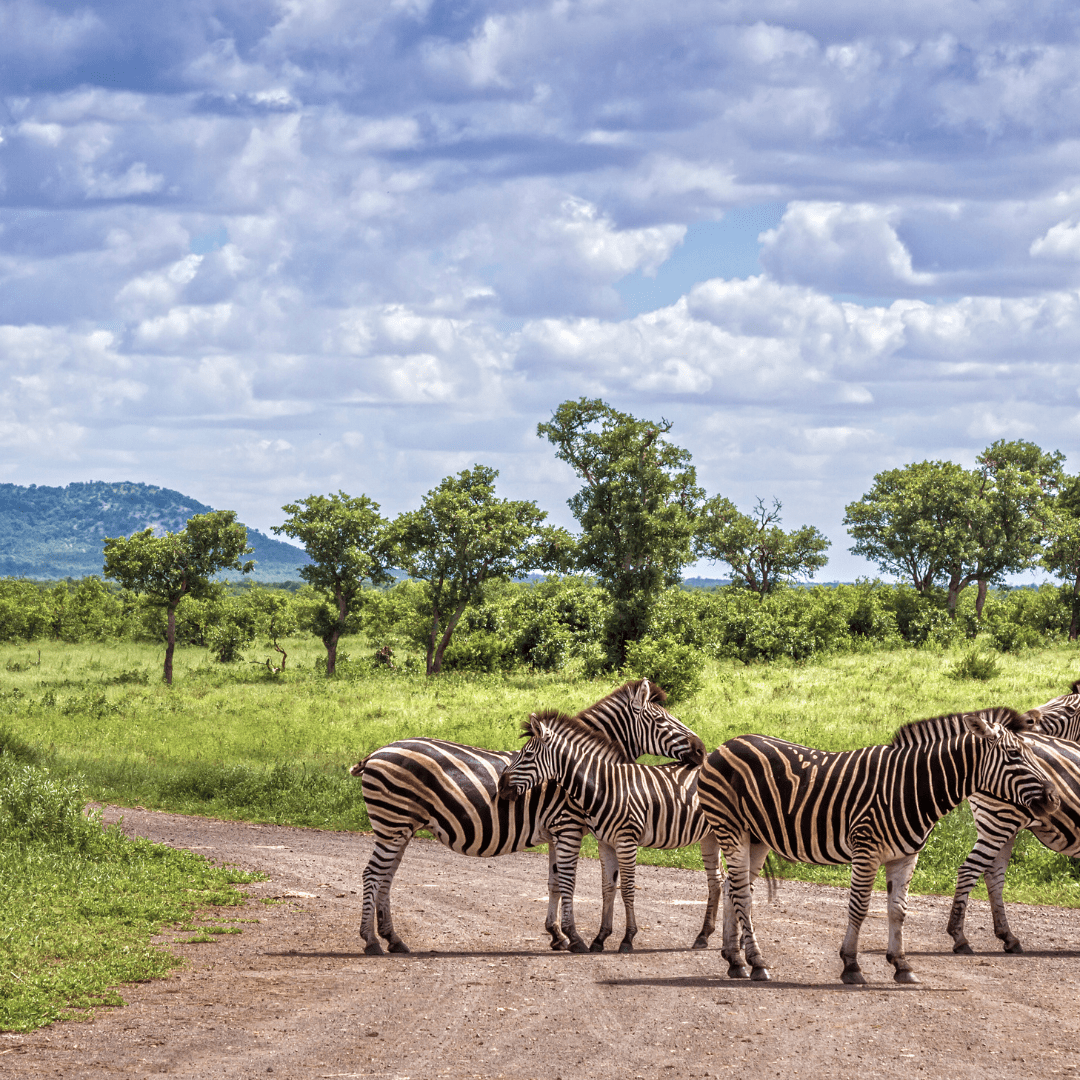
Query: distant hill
[56,532]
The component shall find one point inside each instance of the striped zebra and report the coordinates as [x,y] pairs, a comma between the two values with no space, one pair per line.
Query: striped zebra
[1060,716]
[451,790]
[999,823]
[865,807]
[626,806]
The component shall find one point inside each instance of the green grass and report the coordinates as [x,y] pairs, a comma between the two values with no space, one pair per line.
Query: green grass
[234,741]
[80,903]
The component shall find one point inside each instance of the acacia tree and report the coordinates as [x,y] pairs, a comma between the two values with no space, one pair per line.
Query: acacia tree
[758,551]
[348,542]
[637,510]
[168,568]
[463,537]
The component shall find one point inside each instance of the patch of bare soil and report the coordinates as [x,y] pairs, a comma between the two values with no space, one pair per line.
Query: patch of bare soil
[483,996]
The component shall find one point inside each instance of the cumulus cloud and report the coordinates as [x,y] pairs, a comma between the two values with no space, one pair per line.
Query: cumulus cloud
[363,244]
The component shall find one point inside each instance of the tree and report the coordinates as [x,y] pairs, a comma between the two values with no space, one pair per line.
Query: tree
[1010,521]
[637,509]
[915,521]
[758,551]
[348,542]
[1062,555]
[168,568]
[463,537]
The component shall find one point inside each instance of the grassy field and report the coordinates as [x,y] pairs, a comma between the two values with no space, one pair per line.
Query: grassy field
[235,741]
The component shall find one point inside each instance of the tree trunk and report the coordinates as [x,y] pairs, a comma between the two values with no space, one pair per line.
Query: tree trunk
[435,663]
[1075,608]
[331,650]
[954,594]
[170,641]
[432,638]
[980,599]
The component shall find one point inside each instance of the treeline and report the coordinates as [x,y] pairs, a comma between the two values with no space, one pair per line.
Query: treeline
[545,626]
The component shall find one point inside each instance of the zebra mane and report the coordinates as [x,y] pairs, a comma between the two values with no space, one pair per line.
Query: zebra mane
[628,690]
[573,727]
[1076,687]
[942,727]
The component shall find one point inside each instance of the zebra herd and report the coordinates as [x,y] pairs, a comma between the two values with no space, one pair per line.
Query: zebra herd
[752,795]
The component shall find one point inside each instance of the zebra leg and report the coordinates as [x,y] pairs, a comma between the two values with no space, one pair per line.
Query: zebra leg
[897,878]
[609,869]
[567,851]
[559,941]
[378,876]
[975,865]
[627,854]
[710,856]
[995,885]
[738,901]
[863,871]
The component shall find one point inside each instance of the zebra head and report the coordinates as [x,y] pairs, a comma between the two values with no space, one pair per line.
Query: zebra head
[1011,771]
[1060,716]
[534,763]
[634,717]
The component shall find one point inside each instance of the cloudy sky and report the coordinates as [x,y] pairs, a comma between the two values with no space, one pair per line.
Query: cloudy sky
[255,250]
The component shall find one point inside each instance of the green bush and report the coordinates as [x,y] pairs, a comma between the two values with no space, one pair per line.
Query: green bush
[975,664]
[675,667]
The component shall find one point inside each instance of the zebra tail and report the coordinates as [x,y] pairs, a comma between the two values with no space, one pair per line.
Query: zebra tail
[358,768]
[770,873]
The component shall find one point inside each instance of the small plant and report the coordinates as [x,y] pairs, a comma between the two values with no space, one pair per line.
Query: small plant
[674,667]
[976,664]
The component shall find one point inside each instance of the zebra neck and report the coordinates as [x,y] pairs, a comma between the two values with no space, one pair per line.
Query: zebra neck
[577,776]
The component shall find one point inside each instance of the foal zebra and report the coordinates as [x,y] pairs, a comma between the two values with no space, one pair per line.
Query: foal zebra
[998,823]
[626,806]
[451,790]
[865,807]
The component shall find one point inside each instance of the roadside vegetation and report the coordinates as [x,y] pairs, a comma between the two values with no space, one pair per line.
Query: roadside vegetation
[79,903]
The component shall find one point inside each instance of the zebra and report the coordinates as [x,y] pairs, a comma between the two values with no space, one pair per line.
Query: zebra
[451,790]
[1060,716]
[865,807]
[626,806]
[999,823]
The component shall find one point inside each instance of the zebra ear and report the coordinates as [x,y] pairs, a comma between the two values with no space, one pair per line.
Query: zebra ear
[1035,717]
[977,724]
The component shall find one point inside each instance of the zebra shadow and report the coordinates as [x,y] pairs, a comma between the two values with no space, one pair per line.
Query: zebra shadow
[422,954]
[1001,954]
[697,982]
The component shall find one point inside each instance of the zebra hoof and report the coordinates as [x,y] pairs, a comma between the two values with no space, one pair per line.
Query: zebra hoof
[399,947]
[626,946]
[738,971]
[578,946]
[596,946]
[906,977]
[700,942]
[963,949]
[760,974]
[374,949]
[1014,948]
[853,978]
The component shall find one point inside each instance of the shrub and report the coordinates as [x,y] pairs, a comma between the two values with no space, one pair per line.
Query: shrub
[975,664]
[668,663]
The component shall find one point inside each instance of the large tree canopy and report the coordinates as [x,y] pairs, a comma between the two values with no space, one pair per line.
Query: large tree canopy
[935,520]
[758,551]
[637,509]
[168,568]
[1062,554]
[463,537]
[348,542]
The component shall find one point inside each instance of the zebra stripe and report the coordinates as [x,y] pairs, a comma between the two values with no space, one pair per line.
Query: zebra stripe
[451,790]
[627,806]
[865,807]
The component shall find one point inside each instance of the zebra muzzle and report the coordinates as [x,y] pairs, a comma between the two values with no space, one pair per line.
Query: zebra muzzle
[508,789]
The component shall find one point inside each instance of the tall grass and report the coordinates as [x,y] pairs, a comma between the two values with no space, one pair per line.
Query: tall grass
[235,741]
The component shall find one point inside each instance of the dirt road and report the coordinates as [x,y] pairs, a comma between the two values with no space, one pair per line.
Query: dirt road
[483,996]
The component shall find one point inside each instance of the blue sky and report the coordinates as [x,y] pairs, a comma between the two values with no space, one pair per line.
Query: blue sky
[259,250]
